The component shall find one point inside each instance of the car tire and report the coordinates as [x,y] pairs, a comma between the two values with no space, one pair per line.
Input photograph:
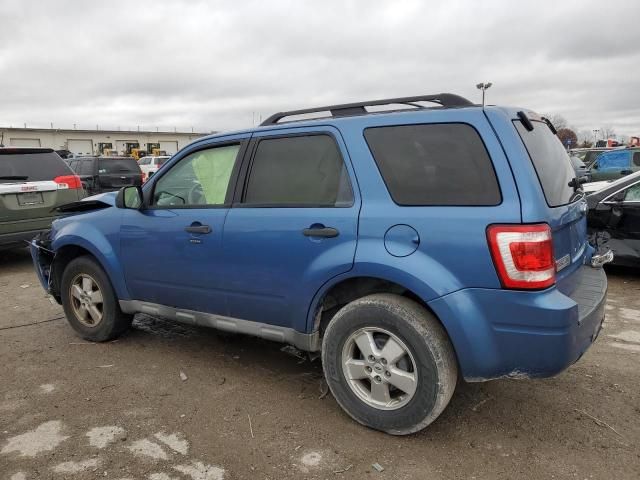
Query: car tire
[420,374]
[90,303]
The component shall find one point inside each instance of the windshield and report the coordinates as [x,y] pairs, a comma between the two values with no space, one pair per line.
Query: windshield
[551,162]
[576,162]
[118,165]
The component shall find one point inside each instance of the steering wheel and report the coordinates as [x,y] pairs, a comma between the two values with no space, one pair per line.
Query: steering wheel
[196,195]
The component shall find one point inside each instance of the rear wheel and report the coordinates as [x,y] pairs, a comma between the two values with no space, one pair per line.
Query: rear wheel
[90,303]
[389,363]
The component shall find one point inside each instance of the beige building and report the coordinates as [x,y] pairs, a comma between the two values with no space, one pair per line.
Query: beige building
[95,142]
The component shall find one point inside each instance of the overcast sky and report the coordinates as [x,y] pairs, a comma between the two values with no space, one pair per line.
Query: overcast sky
[210,64]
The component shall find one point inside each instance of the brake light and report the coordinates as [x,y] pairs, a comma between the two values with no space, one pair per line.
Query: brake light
[68,181]
[144,177]
[523,255]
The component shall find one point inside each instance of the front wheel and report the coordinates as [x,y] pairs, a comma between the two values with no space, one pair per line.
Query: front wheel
[89,302]
[389,363]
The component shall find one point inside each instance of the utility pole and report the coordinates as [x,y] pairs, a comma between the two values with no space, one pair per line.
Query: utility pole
[484,87]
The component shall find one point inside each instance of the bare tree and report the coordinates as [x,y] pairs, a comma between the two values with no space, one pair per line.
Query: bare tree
[558,120]
[607,132]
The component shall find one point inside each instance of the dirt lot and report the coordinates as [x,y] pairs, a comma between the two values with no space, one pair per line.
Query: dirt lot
[172,402]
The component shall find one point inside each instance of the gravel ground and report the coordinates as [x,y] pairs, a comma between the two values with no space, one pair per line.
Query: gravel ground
[169,402]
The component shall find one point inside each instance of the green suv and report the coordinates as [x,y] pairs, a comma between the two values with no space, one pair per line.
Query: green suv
[33,182]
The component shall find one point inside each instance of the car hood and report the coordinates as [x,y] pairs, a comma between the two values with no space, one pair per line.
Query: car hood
[592,187]
[107,197]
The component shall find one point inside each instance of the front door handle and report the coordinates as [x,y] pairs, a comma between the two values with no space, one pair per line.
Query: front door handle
[197,228]
[325,232]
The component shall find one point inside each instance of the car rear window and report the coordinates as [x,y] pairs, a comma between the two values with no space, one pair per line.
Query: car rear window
[551,162]
[434,164]
[36,167]
[118,165]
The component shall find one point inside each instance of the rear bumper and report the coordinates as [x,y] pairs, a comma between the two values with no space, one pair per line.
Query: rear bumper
[17,239]
[505,333]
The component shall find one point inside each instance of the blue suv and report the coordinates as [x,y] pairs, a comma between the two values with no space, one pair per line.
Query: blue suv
[411,241]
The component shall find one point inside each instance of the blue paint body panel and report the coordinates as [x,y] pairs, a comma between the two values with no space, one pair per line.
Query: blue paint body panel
[256,265]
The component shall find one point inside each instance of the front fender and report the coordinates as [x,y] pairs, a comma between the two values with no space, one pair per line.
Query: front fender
[104,249]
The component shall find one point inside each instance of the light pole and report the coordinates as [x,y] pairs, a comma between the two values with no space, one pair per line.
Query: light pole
[484,87]
[595,136]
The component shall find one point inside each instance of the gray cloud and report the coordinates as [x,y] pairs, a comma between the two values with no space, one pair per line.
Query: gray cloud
[210,65]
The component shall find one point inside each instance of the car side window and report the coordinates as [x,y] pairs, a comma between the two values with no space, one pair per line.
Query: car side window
[145,161]
[201,178]
[636,159]
[632,194]
[298,171]
[613,161]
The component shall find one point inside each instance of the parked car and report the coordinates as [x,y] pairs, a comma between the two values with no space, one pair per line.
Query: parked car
[150,165]
[589,155]
[106,174]
[33,181]
[406,246]
[614,219]
[581,170]
[614,164]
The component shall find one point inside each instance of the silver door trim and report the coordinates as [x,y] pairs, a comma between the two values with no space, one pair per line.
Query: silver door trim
[304,341]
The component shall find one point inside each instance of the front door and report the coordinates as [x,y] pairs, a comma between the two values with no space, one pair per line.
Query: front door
[172,249]
[293,227]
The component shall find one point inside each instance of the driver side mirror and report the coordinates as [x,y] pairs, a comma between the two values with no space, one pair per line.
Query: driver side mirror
[130,197]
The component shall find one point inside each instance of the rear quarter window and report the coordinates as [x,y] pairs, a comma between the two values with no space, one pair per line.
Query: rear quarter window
[550,161]
[36,167]
[434,164]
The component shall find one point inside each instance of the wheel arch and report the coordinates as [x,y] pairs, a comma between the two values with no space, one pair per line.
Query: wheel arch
[346,288]
[69,247]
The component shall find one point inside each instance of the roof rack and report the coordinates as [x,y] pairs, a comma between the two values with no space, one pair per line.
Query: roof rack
[446,100]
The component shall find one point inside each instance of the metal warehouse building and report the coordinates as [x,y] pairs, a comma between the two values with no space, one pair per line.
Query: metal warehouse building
[95,142]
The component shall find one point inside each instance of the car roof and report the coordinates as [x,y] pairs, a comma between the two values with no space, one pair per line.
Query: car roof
[510,112]
[24,150]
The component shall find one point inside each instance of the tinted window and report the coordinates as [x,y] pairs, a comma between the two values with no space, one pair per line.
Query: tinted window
[35,166]
[636,159]
[438,164]
[632,194]
[613,161]
[201,178]
[298,171]
[117,165]
[85,167]
[550,161]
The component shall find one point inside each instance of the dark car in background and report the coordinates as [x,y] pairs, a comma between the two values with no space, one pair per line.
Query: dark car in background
[614,164]
[582,171]
[33,182]
[106,174]
[614,219]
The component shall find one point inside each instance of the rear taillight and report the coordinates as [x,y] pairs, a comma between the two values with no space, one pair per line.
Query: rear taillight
[68,181]
[523,255]
[144,177]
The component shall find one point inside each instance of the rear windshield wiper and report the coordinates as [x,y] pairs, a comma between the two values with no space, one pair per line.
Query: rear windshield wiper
[13,177]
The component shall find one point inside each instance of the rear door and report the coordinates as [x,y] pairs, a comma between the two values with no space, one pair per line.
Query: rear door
[31,185]
[612,165]
[115,173]
[293,227]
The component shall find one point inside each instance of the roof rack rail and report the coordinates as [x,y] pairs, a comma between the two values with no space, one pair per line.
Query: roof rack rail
[446,100]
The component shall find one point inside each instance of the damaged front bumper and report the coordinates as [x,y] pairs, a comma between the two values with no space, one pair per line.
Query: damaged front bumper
[43,257]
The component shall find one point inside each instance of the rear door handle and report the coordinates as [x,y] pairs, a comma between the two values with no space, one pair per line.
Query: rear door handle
[198,229]
[326,232]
